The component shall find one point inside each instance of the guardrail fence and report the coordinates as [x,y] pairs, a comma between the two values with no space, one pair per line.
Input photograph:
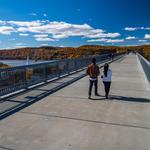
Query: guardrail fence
[22,77]
[146,66]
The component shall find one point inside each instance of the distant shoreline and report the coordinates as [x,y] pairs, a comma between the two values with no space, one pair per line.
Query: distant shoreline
[4,65]
[53,53]
[14,63]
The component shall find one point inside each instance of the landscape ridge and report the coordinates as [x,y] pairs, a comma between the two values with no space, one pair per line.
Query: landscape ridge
[51,52]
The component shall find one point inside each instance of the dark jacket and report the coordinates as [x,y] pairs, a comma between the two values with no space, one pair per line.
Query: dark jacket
[93,70]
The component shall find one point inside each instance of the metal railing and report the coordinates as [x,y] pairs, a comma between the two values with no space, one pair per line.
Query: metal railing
[145,65]
[23,77]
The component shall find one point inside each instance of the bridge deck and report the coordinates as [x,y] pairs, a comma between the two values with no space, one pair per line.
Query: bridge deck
[67,120]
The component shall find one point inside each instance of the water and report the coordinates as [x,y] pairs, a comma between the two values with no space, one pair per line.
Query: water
[21,62]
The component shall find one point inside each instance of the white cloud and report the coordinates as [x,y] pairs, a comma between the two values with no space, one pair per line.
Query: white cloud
[130,38]
[130,29]
[62,46]
[7,47]
[2,22]
[147,43]
[45,15]
[132,45]
[64,30]
[106,40]
[60,36]
[59,30]
[142,40]
[115,41]
[136,28]
[22,29]
[97,40]
[103,35]
[25,23]
[54,27]
[148,28]
[44,44]
[44,39]
[6,30]
[19,44]
[41,36]
[144,28]
[24,34]
[147,36]
[33,14]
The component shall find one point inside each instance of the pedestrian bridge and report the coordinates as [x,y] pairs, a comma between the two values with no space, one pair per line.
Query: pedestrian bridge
[66,119]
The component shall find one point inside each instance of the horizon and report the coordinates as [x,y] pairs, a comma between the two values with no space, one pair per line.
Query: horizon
[78,46]
[74,23]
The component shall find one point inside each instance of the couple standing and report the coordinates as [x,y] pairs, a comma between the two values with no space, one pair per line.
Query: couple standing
[93,72]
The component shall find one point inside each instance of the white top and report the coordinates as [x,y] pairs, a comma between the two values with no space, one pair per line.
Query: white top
[93,79]
[108,78]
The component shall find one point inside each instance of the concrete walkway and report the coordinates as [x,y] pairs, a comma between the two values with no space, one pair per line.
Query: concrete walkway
[67,120]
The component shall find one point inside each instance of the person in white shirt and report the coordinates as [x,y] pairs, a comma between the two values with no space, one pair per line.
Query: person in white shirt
[107,79]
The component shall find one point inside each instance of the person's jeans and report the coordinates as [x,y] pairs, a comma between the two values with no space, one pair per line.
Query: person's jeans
[91,85]
[107,88]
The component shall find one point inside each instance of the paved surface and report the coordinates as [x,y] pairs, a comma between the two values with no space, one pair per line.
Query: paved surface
[67,120]
[12,104]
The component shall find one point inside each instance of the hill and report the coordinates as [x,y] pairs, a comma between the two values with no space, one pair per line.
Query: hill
[49,52]
[4,65]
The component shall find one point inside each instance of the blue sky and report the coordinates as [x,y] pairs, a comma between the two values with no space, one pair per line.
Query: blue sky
[74,22]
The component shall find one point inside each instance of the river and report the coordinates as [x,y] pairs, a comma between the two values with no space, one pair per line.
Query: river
[21,62]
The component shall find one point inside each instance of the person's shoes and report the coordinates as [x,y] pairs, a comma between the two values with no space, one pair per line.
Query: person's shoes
[106,96]
[97,94]
[89,97]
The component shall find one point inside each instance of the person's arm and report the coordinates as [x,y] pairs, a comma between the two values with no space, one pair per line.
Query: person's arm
[88,71]
[98,71]
[110,73]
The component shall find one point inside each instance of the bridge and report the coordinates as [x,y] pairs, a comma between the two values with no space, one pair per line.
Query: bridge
[57,115]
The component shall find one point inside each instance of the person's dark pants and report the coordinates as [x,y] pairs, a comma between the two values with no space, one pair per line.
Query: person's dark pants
[91,85]
[107,88]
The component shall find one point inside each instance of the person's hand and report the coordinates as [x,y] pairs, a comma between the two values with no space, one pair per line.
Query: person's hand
[101,76]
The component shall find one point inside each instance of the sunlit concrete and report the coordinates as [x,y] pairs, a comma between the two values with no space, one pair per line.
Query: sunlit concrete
[68,120]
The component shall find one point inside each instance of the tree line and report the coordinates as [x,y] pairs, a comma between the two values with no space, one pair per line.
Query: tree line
[49,53]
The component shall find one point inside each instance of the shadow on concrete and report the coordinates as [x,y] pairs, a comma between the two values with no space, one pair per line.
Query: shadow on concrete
[96,99]
[20,104]
[100,97]
[129,99]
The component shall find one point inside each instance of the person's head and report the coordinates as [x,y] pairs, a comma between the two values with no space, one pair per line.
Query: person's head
[93,60]
[106,67]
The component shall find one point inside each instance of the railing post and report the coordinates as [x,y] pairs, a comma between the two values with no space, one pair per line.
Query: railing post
[75,65]
[45,72]
[57,70]
[67,66]
[25,78]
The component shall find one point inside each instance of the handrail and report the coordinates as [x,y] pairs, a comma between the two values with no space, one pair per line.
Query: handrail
[23,77]
[145,65]
[50,62]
